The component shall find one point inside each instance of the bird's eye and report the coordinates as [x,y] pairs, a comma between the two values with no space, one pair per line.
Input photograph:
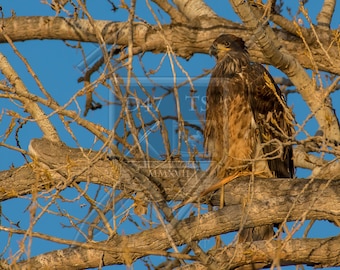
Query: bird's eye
[227,44]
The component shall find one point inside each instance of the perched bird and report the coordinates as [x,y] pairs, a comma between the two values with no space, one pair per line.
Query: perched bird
[248,124]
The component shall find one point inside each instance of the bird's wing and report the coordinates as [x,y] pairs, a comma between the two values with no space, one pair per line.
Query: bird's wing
[273,118]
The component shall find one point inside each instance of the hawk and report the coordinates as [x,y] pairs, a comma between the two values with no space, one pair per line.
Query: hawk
[248,124]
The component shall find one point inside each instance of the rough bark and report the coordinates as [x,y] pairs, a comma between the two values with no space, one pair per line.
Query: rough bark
[294,200]
[185,39]
[325,16]
[30,106]
[271,201]
[56,164]
[294,251]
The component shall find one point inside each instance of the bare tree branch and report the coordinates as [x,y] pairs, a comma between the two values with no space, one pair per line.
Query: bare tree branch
[325,16]
[301,205]
[174,14]
[290,252]
[31,107]
[83,164]
[185,39]
[194,9]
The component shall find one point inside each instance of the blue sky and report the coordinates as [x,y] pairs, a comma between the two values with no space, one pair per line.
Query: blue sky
[58,67]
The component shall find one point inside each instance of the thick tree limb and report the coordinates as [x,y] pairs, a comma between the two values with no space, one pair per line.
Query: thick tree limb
[325,16]
[185,39]
[296,202]
[292,252]
[175,15]
[178,181]
[194,9]
[282,200]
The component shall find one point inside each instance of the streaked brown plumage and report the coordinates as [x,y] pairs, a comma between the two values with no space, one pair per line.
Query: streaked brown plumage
[247,121]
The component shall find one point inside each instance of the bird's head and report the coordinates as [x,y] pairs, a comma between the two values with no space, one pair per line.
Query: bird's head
[225,44]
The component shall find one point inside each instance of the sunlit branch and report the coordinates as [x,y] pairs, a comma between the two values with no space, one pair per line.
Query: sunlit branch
[325,16]
[31,107]
[222,221]
[174,14]
[185,40]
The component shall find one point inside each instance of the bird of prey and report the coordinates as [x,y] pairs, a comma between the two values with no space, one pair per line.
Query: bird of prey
[248,124]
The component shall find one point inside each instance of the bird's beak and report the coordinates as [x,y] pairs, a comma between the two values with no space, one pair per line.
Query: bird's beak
[215,49]
[212,50]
